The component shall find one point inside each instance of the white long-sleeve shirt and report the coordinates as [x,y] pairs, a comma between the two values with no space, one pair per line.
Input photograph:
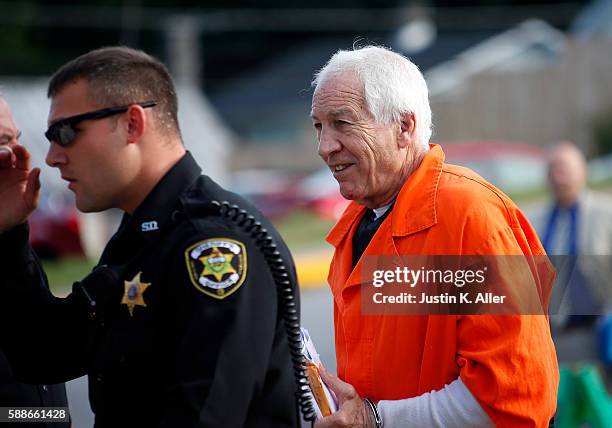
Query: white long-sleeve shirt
[453,406]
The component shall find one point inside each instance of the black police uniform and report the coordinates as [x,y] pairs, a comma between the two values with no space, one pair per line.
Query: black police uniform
[17,395]
[183,328]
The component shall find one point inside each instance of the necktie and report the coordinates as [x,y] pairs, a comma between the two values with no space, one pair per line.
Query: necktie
[368,226]
[573,298]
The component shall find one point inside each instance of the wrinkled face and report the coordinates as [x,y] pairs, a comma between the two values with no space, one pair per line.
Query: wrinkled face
[97,164]
[363,155]
[9,134]
[567,175]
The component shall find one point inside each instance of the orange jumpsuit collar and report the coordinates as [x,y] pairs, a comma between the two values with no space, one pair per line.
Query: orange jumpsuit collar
[411,214]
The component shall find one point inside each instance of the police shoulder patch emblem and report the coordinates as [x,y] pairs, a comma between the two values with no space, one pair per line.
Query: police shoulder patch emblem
[217,267]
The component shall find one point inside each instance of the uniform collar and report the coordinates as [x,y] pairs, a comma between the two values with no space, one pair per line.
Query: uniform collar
[415,206]
[155,211]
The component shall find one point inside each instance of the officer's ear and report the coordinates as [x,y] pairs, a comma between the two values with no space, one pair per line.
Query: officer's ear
[137,121]
[407,130]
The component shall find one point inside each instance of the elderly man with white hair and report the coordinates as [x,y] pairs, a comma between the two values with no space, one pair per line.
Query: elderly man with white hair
[372,118]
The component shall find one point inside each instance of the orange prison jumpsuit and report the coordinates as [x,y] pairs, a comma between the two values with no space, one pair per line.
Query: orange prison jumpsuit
[507,362]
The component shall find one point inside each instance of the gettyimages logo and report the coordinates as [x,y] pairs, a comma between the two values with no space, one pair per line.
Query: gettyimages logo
[413,277]
[461,285]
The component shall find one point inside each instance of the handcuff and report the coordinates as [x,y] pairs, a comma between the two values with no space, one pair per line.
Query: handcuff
[377,419]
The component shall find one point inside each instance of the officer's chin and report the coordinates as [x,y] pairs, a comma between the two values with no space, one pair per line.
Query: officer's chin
[85,206]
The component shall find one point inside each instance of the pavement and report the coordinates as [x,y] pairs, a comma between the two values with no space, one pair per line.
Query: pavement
[312,267]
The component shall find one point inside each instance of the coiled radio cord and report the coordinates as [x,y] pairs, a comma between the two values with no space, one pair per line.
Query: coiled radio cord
[285,290]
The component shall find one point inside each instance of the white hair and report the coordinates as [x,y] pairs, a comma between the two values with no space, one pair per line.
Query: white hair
[393,85]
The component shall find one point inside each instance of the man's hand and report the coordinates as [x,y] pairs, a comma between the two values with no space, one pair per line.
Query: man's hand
[352,412]
[19,186]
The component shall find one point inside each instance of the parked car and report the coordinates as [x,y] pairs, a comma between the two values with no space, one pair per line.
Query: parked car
[320,193]
[512,167]
[54,227]
[271,191]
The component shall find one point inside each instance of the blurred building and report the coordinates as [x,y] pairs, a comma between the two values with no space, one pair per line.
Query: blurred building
[269,108]
[531,84]
[594,22]
[528,82]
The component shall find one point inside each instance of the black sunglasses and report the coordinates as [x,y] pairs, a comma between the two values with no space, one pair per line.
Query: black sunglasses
[63,132]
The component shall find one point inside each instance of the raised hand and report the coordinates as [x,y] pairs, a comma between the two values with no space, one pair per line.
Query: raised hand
[19,186]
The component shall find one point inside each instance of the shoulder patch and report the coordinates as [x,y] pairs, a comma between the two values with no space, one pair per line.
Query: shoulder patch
[217,267]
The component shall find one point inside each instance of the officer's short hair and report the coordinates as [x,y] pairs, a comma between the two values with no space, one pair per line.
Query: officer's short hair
[119,75]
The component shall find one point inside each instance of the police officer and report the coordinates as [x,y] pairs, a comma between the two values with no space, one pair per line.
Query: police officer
[15,394]
[179,323]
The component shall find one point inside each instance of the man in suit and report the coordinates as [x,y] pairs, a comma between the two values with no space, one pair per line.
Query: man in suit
[576,229]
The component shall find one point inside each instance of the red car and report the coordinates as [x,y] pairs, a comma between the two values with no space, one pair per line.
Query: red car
[271,191]
[54,228]
[320,193]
